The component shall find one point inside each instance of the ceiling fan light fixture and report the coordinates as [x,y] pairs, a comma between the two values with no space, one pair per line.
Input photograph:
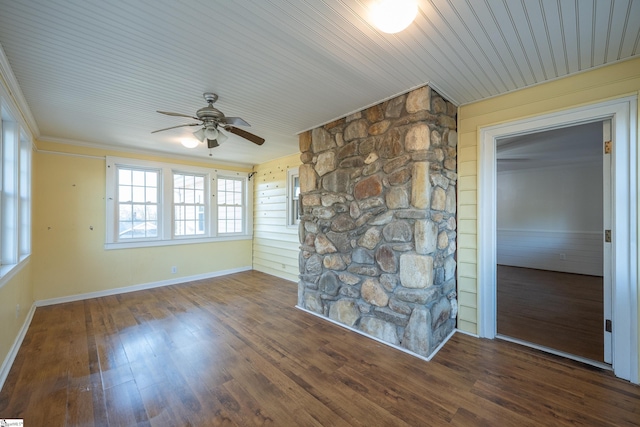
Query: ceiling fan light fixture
[221,137]
[199,134]
[189,142]
[211,132]
[393,16]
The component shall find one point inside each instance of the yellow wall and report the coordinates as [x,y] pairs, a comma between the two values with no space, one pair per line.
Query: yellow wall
[604,83]
[69,258]
[275,246]
[16,291]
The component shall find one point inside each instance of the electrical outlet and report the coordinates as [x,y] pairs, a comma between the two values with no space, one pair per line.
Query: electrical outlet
[17,310]
[174,269]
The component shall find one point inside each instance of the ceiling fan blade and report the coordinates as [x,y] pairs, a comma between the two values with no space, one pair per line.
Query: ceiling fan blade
[212,143]
[179,126]
[168,113]
[236,121]
[246,135]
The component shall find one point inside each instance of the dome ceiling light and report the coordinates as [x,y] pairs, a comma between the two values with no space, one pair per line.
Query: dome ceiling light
[392,16]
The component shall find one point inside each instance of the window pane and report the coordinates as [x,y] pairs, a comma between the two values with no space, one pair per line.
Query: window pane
[124,194]
[151,179]
[188,202]
[124,177]
[152,195]
[199,183]
[125,213]
[139,194]
[138,177]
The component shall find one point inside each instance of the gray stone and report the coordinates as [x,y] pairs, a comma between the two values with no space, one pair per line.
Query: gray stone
[344,311]
[337,181]
[389,281]
[403,247]
[310,227]
[386,259]
[332,199]
[323,213]
[348,278]
[426,236]
[334,262]
[439,180]
[370,238]
[438,105]
[452,138]
[416,271]
[418,138]
[321,140]
[379,128]
[393,107]
[397,231]
[355,129]
[382,219]
[373,293]
[362,256]
[397,163]
[440,312]
[374,202]
[310,200]
[417,334]
[389,315]
[399,306]
[399,177]
[354,210]
[451,223]
[326,163]
[412,214]
[380,329]
[348,150]
[436,138]
[419,100]
[352,162]
[364,219]
[314,264]
[324,245]
[313,302]
[363,270]
[438,199]
[342,222]
[350,292]
[339,240]
[443,240]
[390,145]
[450,204]
[397,198]
[416,296]
[329,283]
[367,146]
[447,122]
[449,268]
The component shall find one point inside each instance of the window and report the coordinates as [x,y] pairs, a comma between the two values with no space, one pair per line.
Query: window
[293,197]
[152,203]
[137,203]
[188,204]
[15,195]
[230,205]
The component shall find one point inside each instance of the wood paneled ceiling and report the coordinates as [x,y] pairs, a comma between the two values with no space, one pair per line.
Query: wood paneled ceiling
[94,72]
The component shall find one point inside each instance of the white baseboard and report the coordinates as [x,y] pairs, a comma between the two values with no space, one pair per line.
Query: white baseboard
[13,351]
[141,287]
[397,347]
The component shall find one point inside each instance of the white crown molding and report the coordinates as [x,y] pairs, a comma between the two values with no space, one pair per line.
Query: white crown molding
[146,152]
[13,88]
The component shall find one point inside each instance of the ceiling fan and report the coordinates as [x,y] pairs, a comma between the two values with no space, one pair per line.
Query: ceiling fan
[212,121]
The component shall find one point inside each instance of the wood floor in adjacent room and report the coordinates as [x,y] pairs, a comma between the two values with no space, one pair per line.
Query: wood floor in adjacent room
[561,311]
[234,351]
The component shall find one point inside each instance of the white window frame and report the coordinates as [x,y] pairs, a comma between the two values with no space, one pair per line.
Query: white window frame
[15,195]
[166,235]
[293,202]
[245,200]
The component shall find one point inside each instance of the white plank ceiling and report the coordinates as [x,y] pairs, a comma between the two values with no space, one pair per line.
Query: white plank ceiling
[95,72]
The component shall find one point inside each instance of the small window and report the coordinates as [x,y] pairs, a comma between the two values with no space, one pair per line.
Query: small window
[230,205]
[189,204]
[138,191]
[293,197]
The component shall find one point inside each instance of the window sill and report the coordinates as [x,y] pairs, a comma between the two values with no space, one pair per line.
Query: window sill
[184,241]
[8,271]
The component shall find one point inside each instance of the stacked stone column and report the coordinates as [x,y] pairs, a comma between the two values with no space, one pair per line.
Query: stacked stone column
[378,226]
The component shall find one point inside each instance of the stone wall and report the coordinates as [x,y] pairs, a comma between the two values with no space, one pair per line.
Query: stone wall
[378,224]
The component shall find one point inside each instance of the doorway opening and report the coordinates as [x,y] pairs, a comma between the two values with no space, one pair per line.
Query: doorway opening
[624,220]
[550,251]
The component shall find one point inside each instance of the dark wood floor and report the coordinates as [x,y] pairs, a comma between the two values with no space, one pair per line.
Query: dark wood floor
[561,311]
[234,351]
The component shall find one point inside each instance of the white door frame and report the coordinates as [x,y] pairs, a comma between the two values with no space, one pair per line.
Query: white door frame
[623,115]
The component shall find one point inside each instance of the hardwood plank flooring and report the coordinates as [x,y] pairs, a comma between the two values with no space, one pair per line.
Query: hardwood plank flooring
[557,310]
[233,351]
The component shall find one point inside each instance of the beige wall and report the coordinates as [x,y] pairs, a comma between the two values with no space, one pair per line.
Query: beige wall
[69,257]
[275,246]
[614,81]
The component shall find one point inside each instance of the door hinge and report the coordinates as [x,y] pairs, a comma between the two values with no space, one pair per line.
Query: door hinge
[607,236]
[607,325]
[607,147]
